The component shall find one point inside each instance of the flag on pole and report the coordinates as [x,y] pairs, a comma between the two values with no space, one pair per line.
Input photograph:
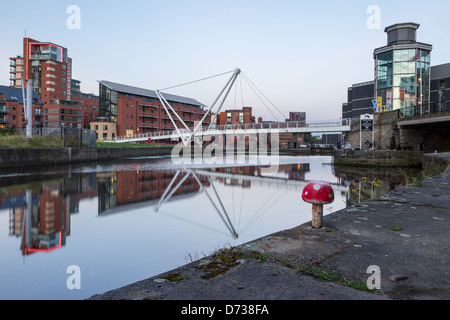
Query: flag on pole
[416,57]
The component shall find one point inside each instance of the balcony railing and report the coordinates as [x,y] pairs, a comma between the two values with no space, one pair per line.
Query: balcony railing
[4,120]
[41,57]
[5,111]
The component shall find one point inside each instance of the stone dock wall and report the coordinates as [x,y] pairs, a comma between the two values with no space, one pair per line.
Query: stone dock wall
[56,156]
[378,158]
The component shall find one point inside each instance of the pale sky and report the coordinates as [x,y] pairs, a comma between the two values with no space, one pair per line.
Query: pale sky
[301,55]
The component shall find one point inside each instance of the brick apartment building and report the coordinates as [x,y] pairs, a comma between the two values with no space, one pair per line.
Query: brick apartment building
[12,110]
[126,110]
[50,68]
[291,140]
[233,117]
[48,65]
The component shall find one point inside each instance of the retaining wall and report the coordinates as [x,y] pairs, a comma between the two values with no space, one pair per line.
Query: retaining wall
[378,158]
[56,156]
[437,162]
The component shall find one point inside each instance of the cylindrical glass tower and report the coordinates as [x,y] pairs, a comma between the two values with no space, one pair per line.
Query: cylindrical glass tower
[402,72]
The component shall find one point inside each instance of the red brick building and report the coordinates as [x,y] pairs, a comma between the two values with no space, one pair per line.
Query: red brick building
[50,68]
[134,110]
[235,117]
[48,65]
[87,102]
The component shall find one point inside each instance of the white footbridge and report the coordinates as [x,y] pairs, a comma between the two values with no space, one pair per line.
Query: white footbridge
[243,129]
[187,134]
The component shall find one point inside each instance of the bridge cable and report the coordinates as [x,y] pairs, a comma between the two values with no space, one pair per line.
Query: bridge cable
[207,78]
[262,101]
[235,97]
[242,91]
[260,212]
[249,81]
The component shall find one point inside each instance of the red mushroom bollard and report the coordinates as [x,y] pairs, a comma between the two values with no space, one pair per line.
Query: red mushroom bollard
[318,193]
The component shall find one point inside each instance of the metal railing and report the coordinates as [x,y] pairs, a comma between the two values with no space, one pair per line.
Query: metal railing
[252,126]
[73,137]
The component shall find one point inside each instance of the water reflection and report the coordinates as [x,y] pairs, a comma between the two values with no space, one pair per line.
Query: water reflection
[40,212]
[370,183]
[131,220]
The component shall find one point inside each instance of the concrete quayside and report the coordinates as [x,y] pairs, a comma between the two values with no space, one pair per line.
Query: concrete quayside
[398,242]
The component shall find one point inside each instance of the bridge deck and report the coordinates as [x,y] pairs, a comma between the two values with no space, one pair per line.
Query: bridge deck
[246,129]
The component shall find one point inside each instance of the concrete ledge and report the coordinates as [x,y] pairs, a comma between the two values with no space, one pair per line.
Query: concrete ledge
[437,162]
[378,158]
[10,158]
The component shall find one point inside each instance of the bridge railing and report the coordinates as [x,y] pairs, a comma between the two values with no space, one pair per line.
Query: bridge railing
[249,126]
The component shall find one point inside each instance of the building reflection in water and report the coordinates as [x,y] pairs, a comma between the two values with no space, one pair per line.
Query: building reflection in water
[39,212]
[117,189]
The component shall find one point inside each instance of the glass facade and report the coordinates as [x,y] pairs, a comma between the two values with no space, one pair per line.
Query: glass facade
[107,104]
[403,80]
[402,72]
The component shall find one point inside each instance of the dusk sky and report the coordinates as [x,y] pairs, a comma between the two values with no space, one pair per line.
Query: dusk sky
[301,55]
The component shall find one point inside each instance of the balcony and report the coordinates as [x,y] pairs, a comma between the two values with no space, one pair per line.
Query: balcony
[145,116]
[3,110]
[3,120]
[38,113]
[149,106]
[41,57]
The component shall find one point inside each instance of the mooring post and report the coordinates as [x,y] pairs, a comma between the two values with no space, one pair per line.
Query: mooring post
[318,193]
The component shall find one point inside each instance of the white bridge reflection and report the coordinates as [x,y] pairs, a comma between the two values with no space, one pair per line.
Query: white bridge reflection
[215,198]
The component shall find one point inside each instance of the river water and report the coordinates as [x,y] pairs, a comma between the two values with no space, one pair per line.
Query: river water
[105,226]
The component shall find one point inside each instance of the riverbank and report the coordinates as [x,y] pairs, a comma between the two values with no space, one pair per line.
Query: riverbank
[28,157]
[404,234]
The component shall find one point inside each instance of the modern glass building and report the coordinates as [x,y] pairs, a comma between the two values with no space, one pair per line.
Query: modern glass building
[402,72]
